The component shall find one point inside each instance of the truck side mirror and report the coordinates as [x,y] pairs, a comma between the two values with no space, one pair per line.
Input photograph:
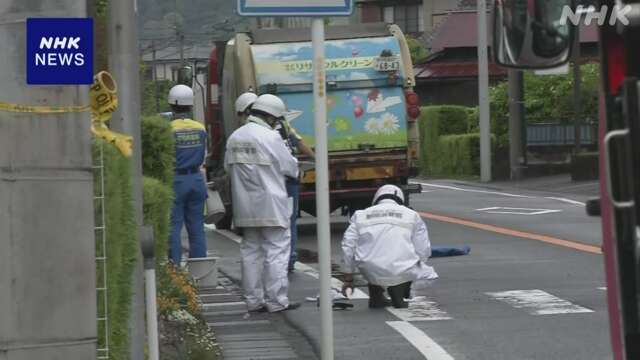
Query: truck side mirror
[532,34]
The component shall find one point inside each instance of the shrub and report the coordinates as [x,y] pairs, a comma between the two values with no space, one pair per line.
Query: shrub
[459,155]
[434,122]
[121,242]
[158,199]
[158,151]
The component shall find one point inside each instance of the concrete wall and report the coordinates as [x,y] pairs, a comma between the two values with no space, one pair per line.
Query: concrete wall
[47,247]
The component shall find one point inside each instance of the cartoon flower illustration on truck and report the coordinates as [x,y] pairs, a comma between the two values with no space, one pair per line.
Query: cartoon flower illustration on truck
[388,124]
[372,126]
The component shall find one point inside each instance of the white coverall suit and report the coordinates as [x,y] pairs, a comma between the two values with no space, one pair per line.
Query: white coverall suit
[389,243]
[258,161]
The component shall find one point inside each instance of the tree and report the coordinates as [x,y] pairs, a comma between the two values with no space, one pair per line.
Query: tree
[548,99]
[417,49]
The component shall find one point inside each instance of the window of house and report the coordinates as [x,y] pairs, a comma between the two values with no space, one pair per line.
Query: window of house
[409,18]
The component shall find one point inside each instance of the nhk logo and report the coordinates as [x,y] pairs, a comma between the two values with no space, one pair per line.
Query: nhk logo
[59,51]
[618,13]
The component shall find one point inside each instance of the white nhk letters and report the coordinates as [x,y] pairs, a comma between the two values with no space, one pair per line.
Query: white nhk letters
[300,3]
[54,58]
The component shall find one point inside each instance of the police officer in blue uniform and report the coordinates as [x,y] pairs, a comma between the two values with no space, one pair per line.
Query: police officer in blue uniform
[189,183]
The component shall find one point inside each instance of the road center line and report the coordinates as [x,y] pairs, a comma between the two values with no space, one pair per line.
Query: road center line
[517,233]
[421,341]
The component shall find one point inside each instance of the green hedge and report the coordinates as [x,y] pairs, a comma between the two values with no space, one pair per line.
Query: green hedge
[459,155]
[434,122]
[449,141]
[158,199]
[158,151]
[121,240]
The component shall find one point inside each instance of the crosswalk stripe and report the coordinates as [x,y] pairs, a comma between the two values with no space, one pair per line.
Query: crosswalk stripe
[538,302]
[420,309]
[420,340]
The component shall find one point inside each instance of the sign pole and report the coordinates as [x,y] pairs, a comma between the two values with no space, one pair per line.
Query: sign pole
[322,188]
[483,94]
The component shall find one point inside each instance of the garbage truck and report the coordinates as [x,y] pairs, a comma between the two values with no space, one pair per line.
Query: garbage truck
[372,110]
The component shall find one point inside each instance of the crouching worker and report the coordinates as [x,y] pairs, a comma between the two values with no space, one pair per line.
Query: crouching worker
[389,244]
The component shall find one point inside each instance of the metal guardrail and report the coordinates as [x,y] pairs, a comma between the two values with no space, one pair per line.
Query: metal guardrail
[559,135]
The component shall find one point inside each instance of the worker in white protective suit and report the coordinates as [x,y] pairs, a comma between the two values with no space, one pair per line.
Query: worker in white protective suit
[389,244]
[257,161]
[243,106]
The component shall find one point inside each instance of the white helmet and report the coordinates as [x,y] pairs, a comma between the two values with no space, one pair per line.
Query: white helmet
[270,104]
[389,192]
[181,95]
[244,101]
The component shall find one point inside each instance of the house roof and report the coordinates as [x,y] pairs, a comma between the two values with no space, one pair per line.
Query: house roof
[172,53]
[460,30]
[449,70]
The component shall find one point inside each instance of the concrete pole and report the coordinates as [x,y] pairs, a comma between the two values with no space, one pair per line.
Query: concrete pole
[154,75]
[576,91]
[483,93]
[516,116]
[322,188]
[124,66]
[47,242]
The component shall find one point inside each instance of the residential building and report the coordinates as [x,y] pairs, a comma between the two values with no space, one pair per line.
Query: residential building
[415,17]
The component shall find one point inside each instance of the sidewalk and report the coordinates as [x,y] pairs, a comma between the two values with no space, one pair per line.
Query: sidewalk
[359,333]
[241,335]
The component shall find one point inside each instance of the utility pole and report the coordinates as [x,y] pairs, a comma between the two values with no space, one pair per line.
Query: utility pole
[576,91]
[47,247]
[124,66]
[516,121]
[154,75]
[483,93]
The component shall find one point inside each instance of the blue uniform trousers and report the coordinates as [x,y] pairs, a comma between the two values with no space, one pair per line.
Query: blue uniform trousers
[188,208]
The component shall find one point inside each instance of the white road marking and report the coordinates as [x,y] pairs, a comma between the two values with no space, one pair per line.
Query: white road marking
[472,190]
[603,288]
[239,323]
[567,201]
[516,211]
[420,309]
[222,304]
[538,302]
[308,270]
[448,187]
[421,341]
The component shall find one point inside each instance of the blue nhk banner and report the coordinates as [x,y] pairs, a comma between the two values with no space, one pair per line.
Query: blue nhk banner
[59,51]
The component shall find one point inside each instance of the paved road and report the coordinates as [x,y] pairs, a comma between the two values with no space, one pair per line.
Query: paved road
[532,287]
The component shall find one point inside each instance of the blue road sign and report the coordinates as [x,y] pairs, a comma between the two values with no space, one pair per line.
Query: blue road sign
[295,8]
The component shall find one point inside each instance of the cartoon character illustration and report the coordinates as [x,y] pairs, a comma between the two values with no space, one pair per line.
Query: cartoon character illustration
[378,103]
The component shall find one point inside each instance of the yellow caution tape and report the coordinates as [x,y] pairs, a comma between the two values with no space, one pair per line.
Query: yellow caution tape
[39,109]
[103,99]
[123,142]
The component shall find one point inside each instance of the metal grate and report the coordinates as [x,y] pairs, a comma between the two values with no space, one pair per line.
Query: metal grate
[101,261]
